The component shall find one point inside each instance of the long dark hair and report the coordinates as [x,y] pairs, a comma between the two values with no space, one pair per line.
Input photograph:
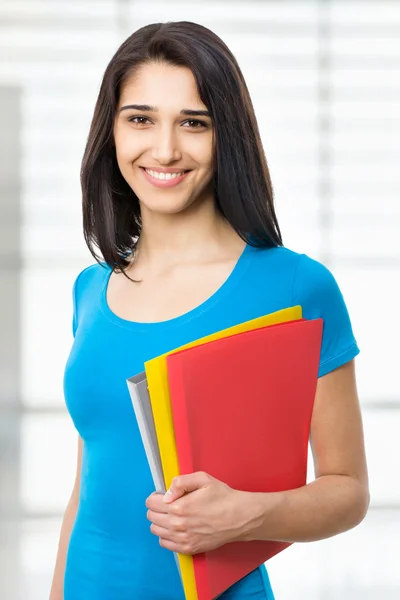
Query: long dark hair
[242,184]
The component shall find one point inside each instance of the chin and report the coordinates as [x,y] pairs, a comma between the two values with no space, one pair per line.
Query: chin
[165,207]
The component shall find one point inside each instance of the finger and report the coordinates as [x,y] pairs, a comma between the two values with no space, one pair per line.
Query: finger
[160,519]
[174,537]
[156,503]
[184,484]
[175,547]
[160,532]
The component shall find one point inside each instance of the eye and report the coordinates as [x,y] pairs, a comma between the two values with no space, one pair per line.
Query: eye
[196,124]
[140,120]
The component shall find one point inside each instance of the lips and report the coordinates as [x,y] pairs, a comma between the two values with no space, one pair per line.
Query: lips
[172,181]
[164,174]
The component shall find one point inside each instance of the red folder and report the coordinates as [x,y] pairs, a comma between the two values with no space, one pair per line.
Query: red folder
[242,409]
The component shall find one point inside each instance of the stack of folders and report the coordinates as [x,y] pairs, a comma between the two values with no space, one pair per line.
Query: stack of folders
[236,404]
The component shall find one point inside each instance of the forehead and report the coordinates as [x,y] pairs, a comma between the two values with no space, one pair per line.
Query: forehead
[162,85]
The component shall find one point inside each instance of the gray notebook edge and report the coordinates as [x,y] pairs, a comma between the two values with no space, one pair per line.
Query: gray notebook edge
[139,393]
[137,386]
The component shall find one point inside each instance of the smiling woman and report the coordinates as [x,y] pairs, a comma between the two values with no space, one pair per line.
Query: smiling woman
[178,212]
[149,137]
[173,97]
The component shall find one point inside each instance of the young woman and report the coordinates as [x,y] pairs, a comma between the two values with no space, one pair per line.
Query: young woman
[178,199]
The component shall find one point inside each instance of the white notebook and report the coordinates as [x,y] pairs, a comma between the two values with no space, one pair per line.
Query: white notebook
[139,393]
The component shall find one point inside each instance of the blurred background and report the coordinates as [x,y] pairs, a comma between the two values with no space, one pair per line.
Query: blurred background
[325,81]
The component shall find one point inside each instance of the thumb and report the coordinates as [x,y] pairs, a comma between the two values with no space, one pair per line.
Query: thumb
[184,484]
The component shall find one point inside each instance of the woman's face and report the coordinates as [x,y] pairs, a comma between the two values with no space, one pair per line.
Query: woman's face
[163,147]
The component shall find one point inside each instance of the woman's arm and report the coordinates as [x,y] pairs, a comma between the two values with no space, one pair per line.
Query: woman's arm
[336,501]
[339,497]
[57,587]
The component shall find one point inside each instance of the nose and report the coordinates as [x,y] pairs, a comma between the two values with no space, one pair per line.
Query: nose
[165,147]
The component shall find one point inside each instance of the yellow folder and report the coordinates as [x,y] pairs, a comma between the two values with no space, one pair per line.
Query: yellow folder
[157,381]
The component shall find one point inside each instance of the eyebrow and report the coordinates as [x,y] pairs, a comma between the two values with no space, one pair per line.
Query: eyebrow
[189,112]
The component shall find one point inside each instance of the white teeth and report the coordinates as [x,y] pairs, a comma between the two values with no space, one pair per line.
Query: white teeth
[157,175]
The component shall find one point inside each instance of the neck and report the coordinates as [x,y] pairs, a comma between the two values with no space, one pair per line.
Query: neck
[197,234]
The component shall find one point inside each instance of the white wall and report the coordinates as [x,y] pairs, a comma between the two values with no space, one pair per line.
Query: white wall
[324,78]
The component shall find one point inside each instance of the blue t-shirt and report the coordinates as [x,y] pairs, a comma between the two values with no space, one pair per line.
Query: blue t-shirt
[112,554]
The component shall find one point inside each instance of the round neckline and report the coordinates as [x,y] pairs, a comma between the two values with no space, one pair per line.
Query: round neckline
[151,326]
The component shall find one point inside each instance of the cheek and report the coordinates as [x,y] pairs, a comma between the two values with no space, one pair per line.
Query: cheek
[128,148]
[205,159]
[196,145]
[205,153]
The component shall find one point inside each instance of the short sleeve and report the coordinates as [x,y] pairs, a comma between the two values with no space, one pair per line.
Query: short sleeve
[316,290]
[76,293]
[74,307]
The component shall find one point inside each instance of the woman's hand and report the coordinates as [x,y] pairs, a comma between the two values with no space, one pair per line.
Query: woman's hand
[198,513]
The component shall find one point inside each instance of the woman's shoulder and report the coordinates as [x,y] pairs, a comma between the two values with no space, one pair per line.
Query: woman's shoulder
[300,268]
[315,288]
[308,281]
[92,275]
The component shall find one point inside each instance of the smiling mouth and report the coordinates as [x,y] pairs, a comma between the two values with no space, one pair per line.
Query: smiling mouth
[164,179]
[164,176]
